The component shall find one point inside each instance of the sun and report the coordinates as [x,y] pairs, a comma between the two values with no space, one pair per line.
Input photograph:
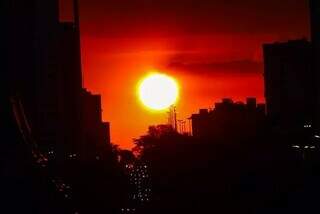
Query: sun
[158,91]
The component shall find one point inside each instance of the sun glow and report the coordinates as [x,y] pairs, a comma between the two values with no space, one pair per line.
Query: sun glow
[158,91]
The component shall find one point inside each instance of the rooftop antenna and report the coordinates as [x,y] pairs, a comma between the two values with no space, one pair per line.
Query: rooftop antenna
[76,21]
[172,117]
[76,18]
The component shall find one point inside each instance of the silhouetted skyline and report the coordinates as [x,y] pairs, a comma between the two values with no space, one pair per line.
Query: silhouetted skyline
[228,116]
[212,47]
[58,155]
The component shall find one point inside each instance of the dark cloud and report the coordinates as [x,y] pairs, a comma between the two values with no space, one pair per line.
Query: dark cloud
[167,17]
[239,67]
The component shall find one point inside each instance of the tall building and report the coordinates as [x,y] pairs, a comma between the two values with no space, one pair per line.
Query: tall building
[288,84]
[315,39]
[70,84]
[45,65]
[33,63]
[58,123]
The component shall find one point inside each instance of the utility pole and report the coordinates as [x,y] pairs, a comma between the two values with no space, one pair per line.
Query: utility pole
[172,117]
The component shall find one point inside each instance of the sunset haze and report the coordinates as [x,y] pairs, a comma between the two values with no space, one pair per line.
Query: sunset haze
[213,47]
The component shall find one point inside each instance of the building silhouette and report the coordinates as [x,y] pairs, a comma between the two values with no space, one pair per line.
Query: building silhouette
[33,62]
[292,73]
[315,39]
[96,133]
[45,65]
[229,118]
[288,84]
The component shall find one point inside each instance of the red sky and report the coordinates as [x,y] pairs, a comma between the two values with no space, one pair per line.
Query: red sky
[212,48]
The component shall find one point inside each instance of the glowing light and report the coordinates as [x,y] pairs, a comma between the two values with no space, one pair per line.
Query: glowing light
[158,91]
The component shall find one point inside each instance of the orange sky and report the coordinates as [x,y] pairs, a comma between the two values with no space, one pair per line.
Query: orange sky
[212,48]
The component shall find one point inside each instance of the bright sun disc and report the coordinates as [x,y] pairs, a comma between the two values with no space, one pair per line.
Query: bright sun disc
[158,91]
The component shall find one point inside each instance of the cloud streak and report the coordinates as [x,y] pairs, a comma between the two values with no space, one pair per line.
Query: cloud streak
[239,67]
